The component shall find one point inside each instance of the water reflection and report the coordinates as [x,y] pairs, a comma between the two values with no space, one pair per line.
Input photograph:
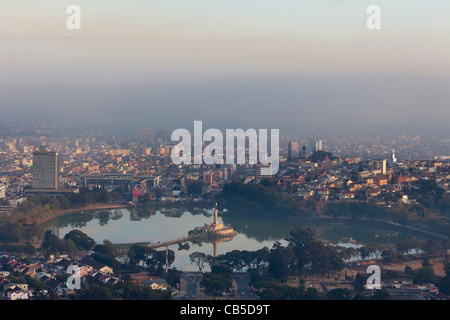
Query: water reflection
[163,224]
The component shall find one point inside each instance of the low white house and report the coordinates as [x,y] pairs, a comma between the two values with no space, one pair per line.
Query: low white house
[155,284]
[18,295]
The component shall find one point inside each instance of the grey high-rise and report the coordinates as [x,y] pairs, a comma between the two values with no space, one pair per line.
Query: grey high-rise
[45,169]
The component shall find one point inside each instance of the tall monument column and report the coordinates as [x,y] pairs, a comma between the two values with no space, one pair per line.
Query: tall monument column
[216,219]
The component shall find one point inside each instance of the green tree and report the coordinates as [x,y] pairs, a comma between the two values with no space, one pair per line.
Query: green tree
[390,255]
[221,268]
[95,292]
[320,155]
[444,284]
[154,260]
[12,232]
[359,282]
[409,271]
[311,294]
[107,248]
[320,258]
[70,246]
[195,187]
[339,294]
[425,275]
[52,244]
[301,240]
[27,249]
[81,240]
[282,262]
[215,284]
[173,278]
[199,259]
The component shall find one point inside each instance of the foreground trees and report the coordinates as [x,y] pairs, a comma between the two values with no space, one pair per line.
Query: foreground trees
[303,250]
[81,240]
[52,244]
[199,259]
[217,282]
[154,260]
[245,260]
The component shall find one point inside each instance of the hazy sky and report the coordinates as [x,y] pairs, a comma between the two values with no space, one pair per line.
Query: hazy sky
[247,63]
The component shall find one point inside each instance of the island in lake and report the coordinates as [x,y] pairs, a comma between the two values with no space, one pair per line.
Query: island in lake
[216,229]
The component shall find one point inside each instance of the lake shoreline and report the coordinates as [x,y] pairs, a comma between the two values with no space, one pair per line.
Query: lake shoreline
[103,206]
[91,207]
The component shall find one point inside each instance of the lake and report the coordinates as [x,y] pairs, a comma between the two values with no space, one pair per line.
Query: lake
[152,225]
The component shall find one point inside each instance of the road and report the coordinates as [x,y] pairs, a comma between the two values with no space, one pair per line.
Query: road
[190,288]
[243,290]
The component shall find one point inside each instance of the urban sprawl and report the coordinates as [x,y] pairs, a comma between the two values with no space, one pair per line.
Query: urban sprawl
[138,170]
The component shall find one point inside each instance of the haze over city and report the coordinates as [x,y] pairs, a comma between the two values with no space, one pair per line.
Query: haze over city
[293,65]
